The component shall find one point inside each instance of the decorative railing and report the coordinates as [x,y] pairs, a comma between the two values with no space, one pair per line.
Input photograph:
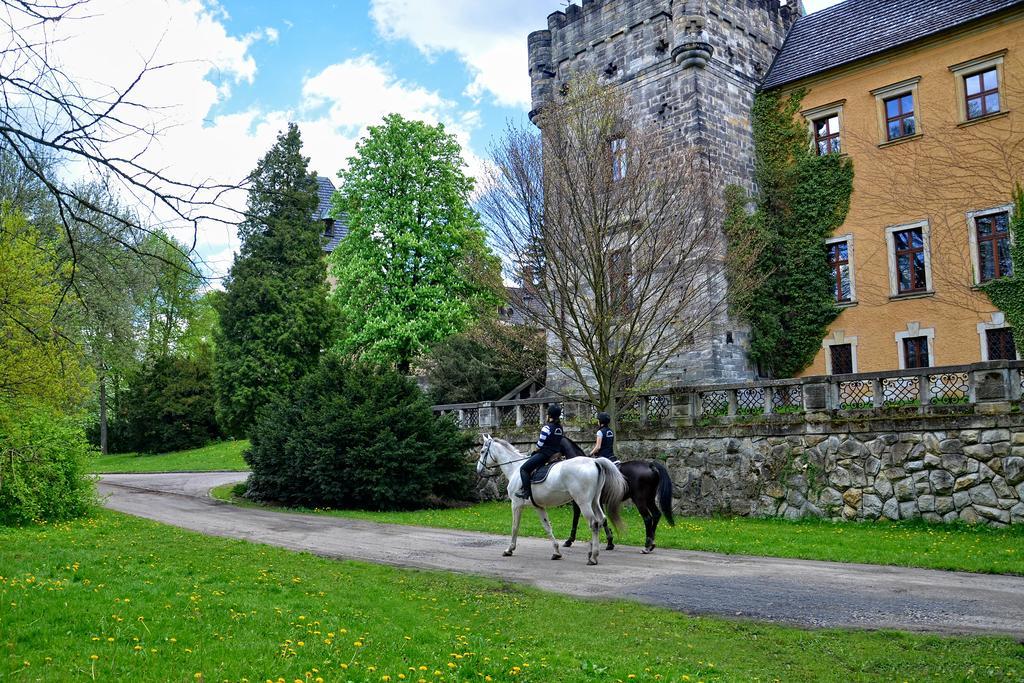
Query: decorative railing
[919,389]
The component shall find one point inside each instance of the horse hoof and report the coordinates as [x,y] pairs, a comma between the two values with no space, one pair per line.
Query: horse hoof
[591,561]
[648,550]
[610,546]
[567,544]
[556,556]
[507,553]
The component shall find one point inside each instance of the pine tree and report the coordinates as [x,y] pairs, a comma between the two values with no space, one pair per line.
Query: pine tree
[274,318]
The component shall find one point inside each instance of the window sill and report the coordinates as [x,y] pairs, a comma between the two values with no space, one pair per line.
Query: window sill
[912,295]
[846,304]
[982,119]
[900,141]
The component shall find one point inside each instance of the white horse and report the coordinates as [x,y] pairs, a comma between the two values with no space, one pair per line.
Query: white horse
[591,482]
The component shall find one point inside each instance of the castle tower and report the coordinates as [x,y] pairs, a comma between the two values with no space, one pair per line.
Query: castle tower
[691,66]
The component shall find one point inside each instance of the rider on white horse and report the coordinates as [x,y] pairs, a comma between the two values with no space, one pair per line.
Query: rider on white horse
[549,444]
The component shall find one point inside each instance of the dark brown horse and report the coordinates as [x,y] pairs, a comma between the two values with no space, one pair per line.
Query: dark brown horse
[649,487]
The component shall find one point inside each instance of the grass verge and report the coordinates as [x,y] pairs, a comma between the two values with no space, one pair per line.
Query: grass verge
[905,544]
[223,455]
[86,601]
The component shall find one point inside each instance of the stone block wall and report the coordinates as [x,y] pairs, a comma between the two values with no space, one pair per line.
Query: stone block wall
[942,468]
[690,69]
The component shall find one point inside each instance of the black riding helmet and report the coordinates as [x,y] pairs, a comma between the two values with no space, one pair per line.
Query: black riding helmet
[603,419]
[555,412]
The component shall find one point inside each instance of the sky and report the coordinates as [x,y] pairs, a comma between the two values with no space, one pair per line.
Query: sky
[240,70]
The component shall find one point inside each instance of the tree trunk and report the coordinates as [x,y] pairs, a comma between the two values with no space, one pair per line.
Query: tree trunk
[103,415]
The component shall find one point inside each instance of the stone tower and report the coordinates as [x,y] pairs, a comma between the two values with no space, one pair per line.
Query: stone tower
[691,66]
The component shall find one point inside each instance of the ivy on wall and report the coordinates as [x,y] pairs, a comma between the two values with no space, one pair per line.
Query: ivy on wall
[802,198]
[1007,293]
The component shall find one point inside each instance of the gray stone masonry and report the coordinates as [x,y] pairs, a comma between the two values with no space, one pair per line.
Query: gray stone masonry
[935,461]
[690,67]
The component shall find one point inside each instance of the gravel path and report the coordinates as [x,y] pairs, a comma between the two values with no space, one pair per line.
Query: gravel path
[799,592]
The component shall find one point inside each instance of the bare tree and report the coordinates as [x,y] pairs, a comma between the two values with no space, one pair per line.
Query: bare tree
[616,236]
[47,116]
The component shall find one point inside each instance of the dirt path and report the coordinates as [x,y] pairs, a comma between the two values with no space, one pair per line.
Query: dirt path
[800,592]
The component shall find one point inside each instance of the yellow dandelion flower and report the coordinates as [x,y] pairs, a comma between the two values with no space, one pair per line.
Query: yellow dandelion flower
[401,676]
[302,644]
[451,665]
[344,665]
[94,657]
[385,677]
[358,643]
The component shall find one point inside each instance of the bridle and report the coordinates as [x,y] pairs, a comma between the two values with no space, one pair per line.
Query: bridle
[483,462]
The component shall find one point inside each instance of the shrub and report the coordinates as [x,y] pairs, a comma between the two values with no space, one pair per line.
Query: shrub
[462,370]
[356,436]
[172,406]
[42,468]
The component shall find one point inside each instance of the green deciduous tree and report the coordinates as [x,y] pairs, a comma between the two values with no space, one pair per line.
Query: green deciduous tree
[39,363]
[274,317]
[414,268]
[802,198]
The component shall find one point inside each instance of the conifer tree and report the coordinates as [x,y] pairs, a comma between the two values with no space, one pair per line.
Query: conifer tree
[274,319]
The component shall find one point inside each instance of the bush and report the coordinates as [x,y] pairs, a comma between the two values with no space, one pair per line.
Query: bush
[172,406]
[42,468]
[356,436]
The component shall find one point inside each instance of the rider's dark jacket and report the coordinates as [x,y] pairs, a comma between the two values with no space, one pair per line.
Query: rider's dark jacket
[550,441]
[607,444]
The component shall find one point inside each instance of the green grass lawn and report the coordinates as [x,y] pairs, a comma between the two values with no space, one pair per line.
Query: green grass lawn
[958,547]
[223,455]
[118,598]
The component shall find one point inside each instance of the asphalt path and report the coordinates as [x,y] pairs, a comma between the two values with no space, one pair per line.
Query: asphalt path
[798,592]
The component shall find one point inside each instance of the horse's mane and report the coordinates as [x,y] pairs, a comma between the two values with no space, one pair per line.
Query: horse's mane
[571,448]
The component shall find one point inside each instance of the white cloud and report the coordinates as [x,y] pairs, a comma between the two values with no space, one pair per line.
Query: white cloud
[489,38]
[108,48]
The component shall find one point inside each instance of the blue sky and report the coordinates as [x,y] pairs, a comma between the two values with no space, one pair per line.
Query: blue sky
[243,69]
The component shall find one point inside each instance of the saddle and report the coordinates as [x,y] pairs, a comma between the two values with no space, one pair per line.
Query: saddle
[541,473]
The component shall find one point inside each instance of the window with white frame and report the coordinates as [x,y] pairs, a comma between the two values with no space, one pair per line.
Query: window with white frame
[909,259]
[839,251]
[915,346]
[978,83]
[898,114]
[826,127]
[988,233]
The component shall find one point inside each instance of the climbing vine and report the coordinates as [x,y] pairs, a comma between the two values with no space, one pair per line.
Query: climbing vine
[1007,293]
[786,294]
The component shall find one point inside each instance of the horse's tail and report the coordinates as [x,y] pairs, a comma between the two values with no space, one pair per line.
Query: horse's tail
[664,491]
[613,491]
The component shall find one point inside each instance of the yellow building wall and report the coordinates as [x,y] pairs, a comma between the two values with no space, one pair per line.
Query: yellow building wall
[939,176]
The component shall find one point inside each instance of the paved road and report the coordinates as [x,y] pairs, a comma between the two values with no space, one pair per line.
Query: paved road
[801,592]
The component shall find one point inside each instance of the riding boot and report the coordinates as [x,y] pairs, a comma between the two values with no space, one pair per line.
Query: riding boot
[525,491]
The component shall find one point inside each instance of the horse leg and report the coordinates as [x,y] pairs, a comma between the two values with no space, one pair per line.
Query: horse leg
[608,535]
[648,516]
[595,518]
[655,518]
[517,513]
[575,523]
[546,523]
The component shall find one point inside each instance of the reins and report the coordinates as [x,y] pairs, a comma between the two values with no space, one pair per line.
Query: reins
[487,453]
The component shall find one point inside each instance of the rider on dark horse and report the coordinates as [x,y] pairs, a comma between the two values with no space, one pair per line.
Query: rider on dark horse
[604,446]
[548,445]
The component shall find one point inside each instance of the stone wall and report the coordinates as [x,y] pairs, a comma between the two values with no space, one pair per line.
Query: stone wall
[691,69]
[940,468]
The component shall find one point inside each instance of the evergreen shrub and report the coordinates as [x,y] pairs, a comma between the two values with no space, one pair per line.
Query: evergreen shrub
[356,436]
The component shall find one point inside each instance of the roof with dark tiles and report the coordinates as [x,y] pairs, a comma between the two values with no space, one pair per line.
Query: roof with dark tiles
[334,229]
[855,29]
